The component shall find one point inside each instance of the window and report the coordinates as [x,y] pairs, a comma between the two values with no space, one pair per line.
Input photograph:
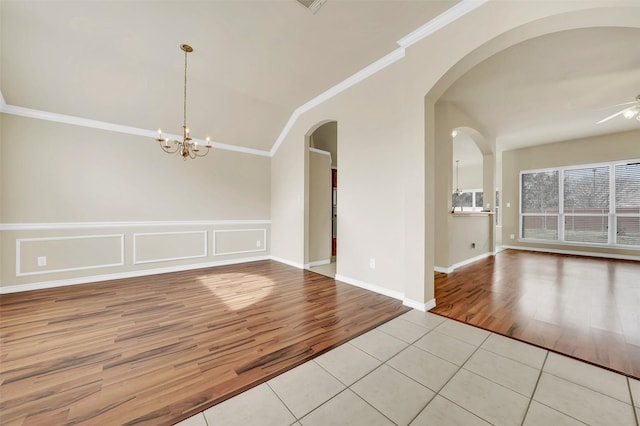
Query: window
[627,178]
[597,204]
[539,205]
[469,200]
[586,204]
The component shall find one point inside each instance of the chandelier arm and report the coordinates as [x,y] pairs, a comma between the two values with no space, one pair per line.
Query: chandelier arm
[168,149]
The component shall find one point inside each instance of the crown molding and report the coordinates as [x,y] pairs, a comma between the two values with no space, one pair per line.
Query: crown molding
[112,127]
[440,21]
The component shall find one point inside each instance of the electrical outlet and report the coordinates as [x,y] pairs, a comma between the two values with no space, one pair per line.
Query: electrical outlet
[473,245]
[42,261]
[512,236]
[372,263]
[258,243]
[508,204]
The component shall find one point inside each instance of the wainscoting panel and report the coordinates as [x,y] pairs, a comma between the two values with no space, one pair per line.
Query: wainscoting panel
[36,256]
[236,241]
[165,246]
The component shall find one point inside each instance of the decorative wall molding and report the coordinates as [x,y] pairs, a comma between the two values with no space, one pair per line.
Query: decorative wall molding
[19,242]
[264,241]
[147,234]
[371,287]
[129,224]
[574,252]
[424,307]
[121,275]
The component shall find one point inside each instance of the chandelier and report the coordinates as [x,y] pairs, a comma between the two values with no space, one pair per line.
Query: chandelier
[187,147]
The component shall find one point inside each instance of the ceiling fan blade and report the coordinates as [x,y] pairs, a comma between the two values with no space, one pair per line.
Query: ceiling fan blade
[626,103]
[612,116]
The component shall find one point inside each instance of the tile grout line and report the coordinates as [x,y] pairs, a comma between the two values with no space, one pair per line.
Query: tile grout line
[348,387]
[633,406]
[451,378]
[280,399]
[535,388]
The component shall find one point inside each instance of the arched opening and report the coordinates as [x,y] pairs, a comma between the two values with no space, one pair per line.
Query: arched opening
[445,112]
[321,197]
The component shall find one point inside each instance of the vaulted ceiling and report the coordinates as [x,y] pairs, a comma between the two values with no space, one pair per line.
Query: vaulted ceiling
[255,62]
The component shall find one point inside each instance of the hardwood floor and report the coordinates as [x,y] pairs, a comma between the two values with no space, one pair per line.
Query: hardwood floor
[158,349]
[587,308]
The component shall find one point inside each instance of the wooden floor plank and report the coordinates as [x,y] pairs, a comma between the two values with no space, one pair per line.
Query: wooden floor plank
[584,307]
[158,349]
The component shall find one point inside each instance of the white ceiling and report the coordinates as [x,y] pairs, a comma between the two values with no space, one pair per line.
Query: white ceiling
[555,87]
[256,61]
[253,63]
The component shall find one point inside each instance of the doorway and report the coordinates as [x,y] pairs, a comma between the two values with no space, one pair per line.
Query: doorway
[322,200]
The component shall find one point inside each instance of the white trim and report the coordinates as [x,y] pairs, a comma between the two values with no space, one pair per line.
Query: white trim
[112,127]
[440,21]
[287,262]
[463,263]
[574,252]
[471,260]
[424,307]
[121,275]
[80,268]
[319,151]
[317,263]
[87,225]
[264,240]
[166,259]
[367,71]
[2,102]
[371,287]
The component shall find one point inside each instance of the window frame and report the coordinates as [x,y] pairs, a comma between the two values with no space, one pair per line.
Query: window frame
[611,216]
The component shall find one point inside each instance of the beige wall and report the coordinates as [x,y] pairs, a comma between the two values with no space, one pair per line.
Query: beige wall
[467,230]
[72,187]
[319,207]
[388,161]
[597,149]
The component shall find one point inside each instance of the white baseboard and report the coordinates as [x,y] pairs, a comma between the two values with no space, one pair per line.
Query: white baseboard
[424,307]
[287,262]
[120,275]
[574,252]
[371,287]
[465,262]
[317,263]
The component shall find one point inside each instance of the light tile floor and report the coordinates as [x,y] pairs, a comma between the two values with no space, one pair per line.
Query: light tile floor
[328,270]
[423,369]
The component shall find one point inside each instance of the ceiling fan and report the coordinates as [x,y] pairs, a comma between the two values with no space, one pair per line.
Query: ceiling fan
[628,112]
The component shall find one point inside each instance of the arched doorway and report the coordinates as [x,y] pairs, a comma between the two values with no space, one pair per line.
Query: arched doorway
[321,198]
